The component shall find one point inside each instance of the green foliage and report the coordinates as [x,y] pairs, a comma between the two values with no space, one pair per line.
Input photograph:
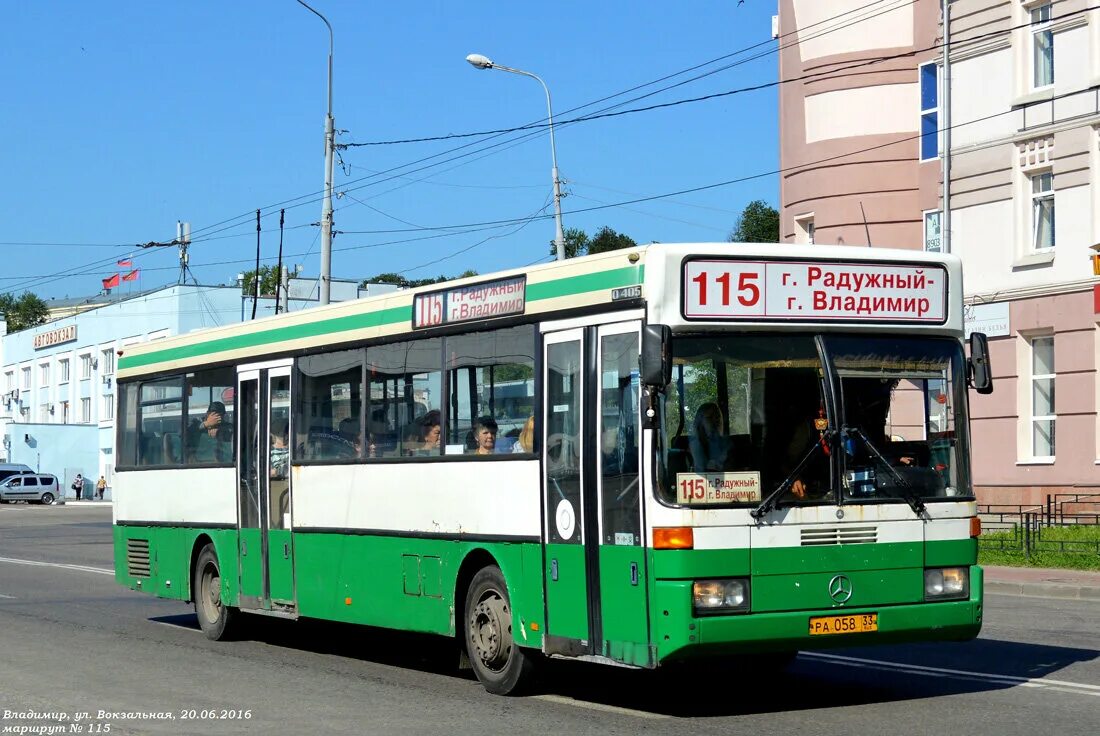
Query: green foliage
[398,280]
[25,311]
[758,223]
[577,242]
[1079,553]
[269,281]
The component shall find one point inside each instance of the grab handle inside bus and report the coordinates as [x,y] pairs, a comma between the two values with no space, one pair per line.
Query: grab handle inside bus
[981,373]
[656,356]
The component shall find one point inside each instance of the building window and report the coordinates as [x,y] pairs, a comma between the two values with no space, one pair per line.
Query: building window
[64,412]
[1042,397]
[929,111]
[1042,47]
[44,374]
[63,366]
[44,413]
[85,367]
[1042,211]
[85,411]
[932,241]
[9,379]
[108,362]
[27,378]
[108,412]
[804,229]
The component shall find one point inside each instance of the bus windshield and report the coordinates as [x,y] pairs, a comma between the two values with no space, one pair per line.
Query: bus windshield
[748,414]
[903,425]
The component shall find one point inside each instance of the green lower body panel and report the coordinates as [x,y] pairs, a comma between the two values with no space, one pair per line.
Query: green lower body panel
[566,591]
[280,555]
[159,560]
[623,605]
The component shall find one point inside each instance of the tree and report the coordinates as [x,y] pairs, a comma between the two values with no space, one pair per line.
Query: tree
[400,281]
[25,311]
[577,242]
[269,281]
[758,223]
[608,240]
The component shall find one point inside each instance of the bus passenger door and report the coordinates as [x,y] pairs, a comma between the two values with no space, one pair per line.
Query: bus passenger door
[276,441]
[264,492]
[249,541]
[617,436]
[563,442]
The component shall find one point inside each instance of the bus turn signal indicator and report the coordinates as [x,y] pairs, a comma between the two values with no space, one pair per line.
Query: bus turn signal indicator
[673,537]
[975,526]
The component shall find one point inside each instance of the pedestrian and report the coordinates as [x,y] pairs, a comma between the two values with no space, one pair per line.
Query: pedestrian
[100,487]
[78,486]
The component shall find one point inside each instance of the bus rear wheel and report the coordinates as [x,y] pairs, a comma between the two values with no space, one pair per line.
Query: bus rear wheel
[502,667]
[216,619]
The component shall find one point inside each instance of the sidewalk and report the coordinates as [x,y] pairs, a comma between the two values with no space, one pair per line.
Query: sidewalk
[1044,583]
[83,503]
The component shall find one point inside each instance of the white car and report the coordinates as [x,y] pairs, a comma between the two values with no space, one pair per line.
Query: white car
[32,488]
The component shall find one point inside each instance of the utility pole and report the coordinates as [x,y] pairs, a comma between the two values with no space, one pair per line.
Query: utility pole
[330,148]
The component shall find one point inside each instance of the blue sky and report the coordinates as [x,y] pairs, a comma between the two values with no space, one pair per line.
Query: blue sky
[121,117]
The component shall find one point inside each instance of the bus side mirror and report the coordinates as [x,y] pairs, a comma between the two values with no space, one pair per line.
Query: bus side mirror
[656,356]
[981,373]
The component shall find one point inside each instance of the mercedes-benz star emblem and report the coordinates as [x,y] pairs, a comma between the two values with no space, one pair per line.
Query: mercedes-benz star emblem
[840,588]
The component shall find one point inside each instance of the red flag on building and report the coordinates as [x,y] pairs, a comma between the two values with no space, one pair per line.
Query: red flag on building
[111,282]
[126,262]
[132,276]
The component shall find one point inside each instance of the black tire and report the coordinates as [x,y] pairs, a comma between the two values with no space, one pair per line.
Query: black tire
[502,666]
[47,498]
[217,620]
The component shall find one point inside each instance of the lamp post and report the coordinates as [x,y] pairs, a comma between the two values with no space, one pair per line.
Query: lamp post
[482,62]
[330,146]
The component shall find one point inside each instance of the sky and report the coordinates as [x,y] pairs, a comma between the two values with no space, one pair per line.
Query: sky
[120,118]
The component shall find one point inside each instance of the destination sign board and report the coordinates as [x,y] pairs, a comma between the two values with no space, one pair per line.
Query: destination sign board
[467,303]
[813,291]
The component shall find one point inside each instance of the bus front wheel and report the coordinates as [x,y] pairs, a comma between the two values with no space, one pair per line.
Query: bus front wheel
[215,618]
[502,667]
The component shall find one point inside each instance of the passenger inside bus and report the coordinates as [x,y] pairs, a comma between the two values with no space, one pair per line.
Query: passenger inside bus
[485,436]
[210,439]
[526,440]
[709,447]
[425,440]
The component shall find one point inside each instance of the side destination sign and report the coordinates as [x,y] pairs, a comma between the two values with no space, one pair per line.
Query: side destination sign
[467,303]
[814,291]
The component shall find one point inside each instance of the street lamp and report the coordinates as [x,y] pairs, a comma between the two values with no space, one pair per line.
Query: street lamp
[330,146]
[482,62]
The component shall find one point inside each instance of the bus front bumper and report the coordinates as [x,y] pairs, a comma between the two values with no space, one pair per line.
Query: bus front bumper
[682,635]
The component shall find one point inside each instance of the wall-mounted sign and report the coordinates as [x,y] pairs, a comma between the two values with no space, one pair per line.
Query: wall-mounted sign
[55,337]
[809,291]
[467,303]
[992,319]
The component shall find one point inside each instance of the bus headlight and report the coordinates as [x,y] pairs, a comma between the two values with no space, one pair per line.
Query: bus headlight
[945,583]
[720,596]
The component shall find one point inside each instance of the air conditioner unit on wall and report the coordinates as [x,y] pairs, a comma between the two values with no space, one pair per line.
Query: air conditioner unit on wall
[107,381]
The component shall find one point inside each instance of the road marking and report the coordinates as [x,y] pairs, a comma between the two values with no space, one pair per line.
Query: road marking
[565,700]
[916,669]
[9,597]
[63,566]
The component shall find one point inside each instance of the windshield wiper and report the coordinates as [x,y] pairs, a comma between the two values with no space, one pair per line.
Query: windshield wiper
[772,499]
[906,491]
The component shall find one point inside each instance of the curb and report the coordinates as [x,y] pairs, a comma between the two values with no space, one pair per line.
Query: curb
[1066,591]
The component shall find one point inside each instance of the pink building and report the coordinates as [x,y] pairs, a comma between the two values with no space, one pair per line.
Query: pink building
[864,140]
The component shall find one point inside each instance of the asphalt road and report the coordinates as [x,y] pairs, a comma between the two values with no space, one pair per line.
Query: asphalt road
[73,642]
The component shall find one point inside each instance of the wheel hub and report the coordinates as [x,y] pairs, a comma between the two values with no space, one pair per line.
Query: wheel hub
[491,631]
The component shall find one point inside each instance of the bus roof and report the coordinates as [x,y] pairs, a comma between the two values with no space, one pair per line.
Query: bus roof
[549,289]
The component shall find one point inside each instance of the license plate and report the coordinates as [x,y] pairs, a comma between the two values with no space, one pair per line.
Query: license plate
[844,624]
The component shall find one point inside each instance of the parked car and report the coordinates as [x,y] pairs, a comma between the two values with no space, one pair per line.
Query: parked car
[29,487]
[7,470]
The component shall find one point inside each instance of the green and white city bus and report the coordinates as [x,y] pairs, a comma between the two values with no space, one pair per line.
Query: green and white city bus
[664,454]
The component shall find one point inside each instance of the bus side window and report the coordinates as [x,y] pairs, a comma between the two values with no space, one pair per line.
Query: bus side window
[328,406]
[492,390]
[405,383]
